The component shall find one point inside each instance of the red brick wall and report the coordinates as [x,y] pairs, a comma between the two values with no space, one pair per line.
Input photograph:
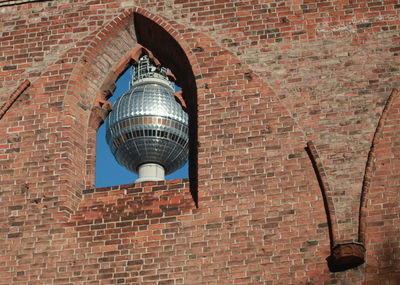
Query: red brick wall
[269,76]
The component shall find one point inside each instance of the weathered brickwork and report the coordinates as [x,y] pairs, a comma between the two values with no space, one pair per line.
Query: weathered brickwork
[284,99]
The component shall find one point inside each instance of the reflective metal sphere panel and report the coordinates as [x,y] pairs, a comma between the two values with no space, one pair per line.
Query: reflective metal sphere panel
[147,125]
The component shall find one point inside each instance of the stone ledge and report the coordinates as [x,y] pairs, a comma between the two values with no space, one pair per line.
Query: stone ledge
[346,256]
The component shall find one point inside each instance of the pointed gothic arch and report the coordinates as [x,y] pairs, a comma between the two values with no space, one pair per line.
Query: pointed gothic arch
[108,56]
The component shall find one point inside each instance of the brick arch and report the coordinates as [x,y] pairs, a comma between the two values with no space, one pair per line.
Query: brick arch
[371,167]
[107,56]
[379,209]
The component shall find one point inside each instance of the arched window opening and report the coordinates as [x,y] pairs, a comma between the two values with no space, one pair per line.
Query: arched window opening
[108,171]
[168,51]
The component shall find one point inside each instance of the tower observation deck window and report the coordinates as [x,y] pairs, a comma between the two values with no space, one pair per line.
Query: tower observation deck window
[147,131]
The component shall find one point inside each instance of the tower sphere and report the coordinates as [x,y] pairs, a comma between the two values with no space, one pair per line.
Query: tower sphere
[148,129]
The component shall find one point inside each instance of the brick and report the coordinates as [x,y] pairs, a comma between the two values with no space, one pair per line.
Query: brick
[260,79]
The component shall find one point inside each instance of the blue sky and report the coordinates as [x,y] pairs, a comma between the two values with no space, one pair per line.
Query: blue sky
[108,171]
